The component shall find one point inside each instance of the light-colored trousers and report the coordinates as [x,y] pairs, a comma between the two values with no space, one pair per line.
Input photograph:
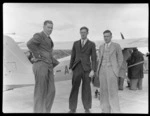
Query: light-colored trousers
[109,100]
[44,91]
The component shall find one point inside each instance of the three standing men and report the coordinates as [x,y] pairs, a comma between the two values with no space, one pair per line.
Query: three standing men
[41,45]
[110,61]
[83,69]
[83,66]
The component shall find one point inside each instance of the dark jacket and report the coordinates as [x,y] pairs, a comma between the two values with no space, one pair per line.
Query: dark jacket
[83,55]
[41,46]
[136,71]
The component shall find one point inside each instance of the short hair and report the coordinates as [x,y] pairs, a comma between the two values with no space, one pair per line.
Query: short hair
[48,21]
[107,31]
[84,28]
[135,49]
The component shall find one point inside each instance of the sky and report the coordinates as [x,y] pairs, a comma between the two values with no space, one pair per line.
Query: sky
[25,19]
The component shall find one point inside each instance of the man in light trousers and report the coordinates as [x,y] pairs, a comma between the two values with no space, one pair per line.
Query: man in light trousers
[110,61]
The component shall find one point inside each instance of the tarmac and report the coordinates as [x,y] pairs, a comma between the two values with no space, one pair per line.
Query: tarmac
[20,100]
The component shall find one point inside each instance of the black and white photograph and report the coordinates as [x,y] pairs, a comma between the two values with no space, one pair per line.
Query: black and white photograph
[75,58]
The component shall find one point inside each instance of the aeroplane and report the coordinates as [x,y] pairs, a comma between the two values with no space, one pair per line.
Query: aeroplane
[17,69]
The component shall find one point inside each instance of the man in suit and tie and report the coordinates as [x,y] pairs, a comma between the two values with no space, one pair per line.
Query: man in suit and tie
[83,67]
[41,46]
[110,61]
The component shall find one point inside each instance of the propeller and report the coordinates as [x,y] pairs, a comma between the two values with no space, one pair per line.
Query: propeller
[122,36]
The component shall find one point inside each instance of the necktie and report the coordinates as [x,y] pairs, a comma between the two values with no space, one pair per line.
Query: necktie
[52,44]
[49,37]
[106,46]
[82,43]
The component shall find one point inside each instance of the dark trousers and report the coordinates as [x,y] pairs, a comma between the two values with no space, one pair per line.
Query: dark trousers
[136,84]
[44,91]
[120,83]
[79,74]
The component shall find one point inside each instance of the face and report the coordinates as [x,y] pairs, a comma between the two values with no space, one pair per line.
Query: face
[83,33]
[107,37]
[48,28]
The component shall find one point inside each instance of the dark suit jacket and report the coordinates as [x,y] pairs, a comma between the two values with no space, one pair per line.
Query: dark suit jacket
[83,55]
[41,47]
[136,71]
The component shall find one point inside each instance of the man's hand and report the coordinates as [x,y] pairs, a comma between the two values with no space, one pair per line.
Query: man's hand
[128,80]
[34,59]
[91,74]
[71,72]
[54,73]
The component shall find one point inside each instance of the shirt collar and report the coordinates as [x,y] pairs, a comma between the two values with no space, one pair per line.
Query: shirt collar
[46,34]
[85,40]
[108,44]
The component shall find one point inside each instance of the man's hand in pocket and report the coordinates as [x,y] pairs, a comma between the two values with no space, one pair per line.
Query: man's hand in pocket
[91,74]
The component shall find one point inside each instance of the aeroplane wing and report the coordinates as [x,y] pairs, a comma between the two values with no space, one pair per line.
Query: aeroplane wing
[124,43]
[128,43]
[139,42]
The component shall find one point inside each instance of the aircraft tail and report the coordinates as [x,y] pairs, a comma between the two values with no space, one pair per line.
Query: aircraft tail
[14,59]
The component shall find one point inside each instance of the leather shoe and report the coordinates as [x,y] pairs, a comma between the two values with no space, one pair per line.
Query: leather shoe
[87,111]
[72,111]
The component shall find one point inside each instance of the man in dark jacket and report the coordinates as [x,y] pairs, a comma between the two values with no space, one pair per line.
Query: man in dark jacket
[41,45]
[136,72]
[80,64]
